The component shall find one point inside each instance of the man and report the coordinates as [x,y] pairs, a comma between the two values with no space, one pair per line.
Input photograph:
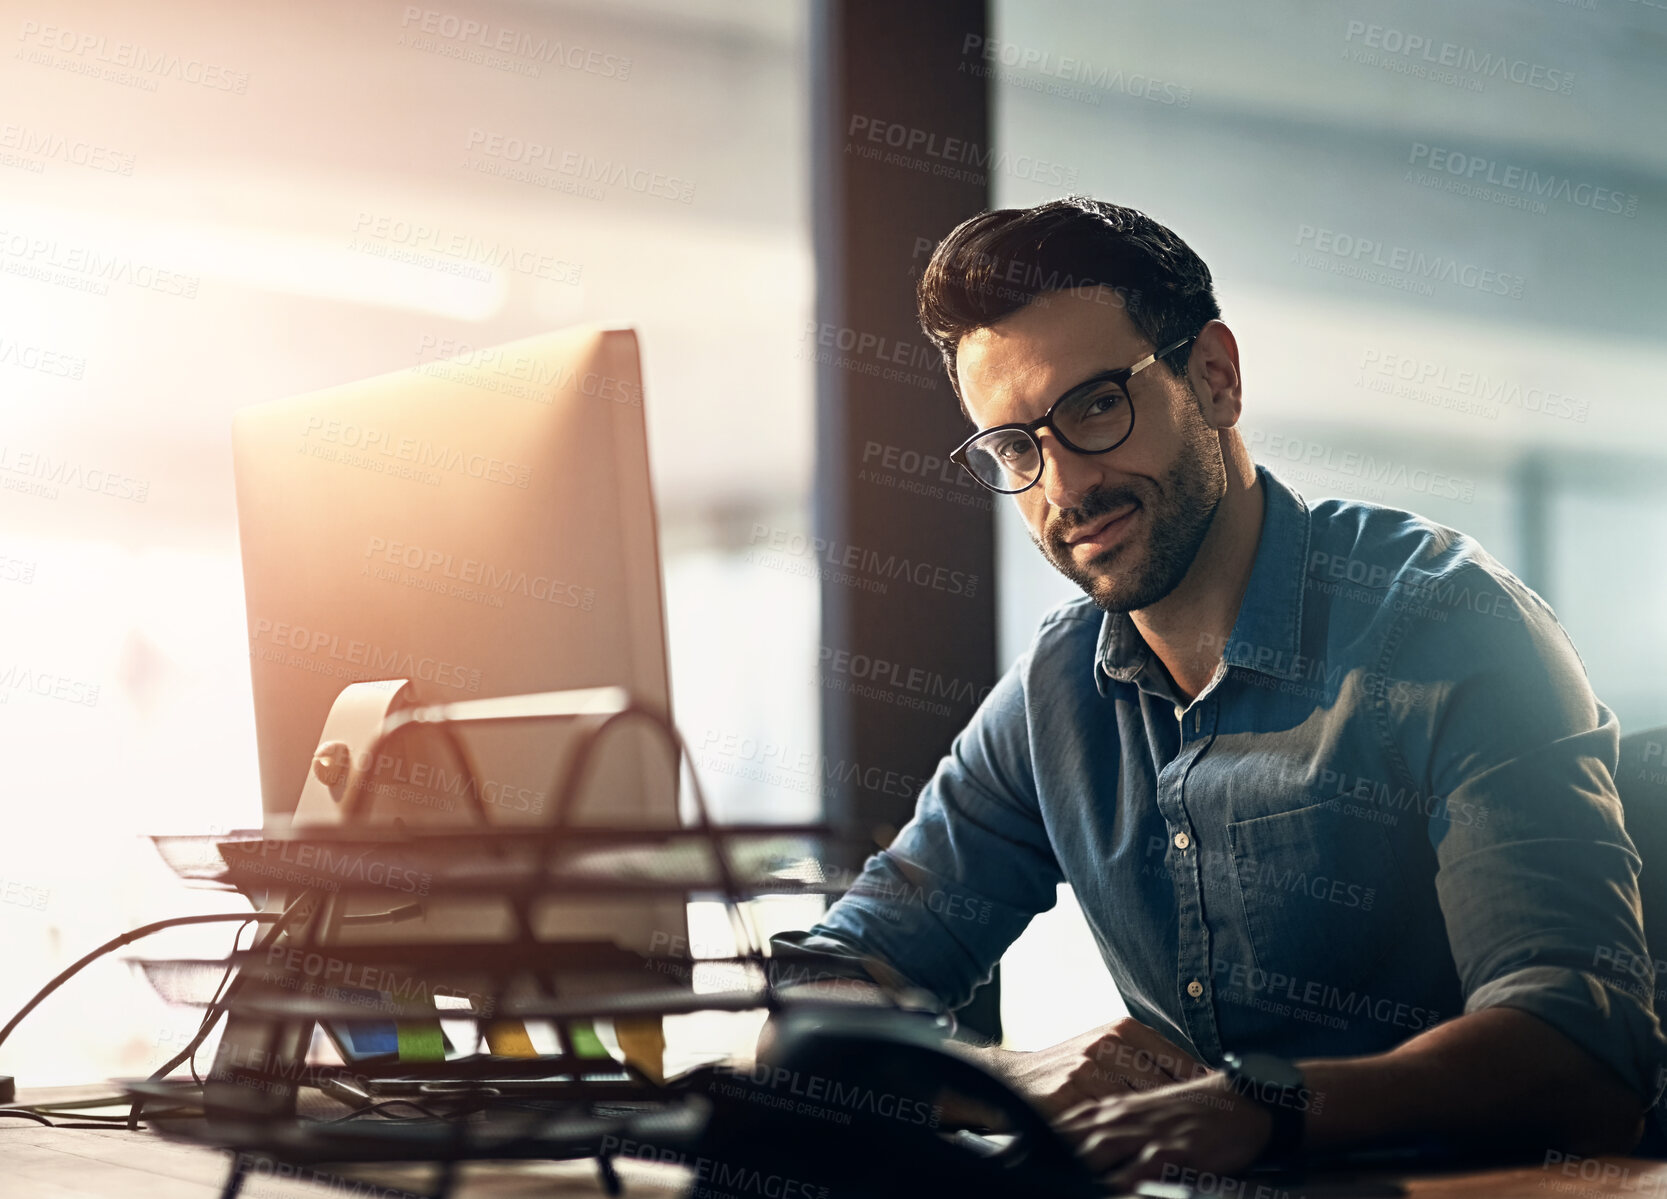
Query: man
[1329,783]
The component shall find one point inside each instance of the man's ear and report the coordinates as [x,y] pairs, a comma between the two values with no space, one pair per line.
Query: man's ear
[1215,375]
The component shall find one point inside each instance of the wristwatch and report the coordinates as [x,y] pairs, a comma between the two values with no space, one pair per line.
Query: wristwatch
[1277,1085]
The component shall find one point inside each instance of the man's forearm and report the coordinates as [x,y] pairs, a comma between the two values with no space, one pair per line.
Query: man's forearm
[1498,1075]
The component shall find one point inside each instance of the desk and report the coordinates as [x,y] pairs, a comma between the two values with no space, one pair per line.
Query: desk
[72,1163]
[52,1163]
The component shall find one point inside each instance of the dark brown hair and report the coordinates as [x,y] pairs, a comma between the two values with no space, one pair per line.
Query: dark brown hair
[995,263]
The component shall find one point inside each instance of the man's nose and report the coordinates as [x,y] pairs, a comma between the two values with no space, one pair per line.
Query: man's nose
[1067,476]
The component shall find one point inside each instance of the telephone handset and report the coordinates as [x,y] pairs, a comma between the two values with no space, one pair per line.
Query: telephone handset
[851,1099]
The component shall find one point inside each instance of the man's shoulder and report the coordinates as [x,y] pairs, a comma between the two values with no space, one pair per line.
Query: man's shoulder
[1432,593]
[1401,555]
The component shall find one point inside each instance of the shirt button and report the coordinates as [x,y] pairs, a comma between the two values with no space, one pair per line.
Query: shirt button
[1180,712]
[1182,840]
[1195,988]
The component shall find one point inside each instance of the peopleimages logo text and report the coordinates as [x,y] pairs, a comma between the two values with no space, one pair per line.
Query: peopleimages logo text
[538,47]
[1424,372]
[393,233]
[97,47]
[377,662]
[1477,168]
[1416,46]
[1414,263]
[1072,70]
[946,154]
[866,561]
[101,269]
[418,453]
[1366,467]
[41,144]
[506,580]
[587,168]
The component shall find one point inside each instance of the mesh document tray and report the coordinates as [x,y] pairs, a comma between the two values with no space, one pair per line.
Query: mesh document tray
[579,860]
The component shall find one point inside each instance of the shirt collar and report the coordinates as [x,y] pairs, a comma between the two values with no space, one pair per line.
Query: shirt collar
[1267,635]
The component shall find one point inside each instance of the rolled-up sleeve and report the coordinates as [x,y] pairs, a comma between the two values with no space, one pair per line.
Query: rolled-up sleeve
[964,877]
[1539,886]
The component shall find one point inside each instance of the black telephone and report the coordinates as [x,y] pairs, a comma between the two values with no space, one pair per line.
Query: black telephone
[846,1103]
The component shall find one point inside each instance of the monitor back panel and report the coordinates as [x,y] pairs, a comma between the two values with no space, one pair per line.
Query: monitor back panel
[483,527]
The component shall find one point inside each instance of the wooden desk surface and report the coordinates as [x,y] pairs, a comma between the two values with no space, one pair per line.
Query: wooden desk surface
[72,1163]
[63,1163]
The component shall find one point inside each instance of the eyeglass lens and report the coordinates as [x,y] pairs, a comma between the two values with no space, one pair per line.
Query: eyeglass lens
[1092,422]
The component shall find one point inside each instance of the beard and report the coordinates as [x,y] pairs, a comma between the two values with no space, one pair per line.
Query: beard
[1171,518]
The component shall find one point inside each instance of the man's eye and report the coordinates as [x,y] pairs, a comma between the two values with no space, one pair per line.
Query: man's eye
[1108,401]
[1013,449]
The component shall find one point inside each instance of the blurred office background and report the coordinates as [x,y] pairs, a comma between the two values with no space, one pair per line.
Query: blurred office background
[1276,138]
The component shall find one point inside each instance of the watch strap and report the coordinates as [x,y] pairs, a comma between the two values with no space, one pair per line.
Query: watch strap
[1285,1103]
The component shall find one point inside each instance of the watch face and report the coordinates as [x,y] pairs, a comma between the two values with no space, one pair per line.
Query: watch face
[1266,1068]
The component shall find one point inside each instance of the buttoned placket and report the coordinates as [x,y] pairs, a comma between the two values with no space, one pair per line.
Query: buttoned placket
[1270,615]
[1192,967]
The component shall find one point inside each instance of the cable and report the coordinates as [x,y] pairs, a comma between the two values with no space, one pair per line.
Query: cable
[216,1007]
[103,1123]
[223,994]
[79,1108]
[279,921]
[211,1017]
[214,1000]
[73,1105]
[128,938]
[23,1115]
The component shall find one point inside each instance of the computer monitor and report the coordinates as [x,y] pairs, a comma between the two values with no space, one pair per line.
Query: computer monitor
[483,526]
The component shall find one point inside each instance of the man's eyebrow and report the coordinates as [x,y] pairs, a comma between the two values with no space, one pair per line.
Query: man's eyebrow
[1110,372]
[1097,377]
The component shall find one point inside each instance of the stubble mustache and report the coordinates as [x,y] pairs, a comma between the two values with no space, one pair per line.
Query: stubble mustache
[1071,521]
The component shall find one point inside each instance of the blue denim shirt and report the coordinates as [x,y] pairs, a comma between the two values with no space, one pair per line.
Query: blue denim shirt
[1392,804]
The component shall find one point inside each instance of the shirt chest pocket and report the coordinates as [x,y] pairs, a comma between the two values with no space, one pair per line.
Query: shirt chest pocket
[1321,892]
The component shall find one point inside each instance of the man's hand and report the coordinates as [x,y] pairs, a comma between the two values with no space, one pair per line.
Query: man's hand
[1199,1125]
[1120,1058]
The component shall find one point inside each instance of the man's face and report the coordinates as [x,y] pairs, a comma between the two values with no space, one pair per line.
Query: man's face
[1126,525]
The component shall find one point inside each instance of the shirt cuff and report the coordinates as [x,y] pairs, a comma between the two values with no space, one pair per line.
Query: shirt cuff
[822,956]
[1605,1021]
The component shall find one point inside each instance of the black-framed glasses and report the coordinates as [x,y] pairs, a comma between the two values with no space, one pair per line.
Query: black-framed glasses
[1094,417]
